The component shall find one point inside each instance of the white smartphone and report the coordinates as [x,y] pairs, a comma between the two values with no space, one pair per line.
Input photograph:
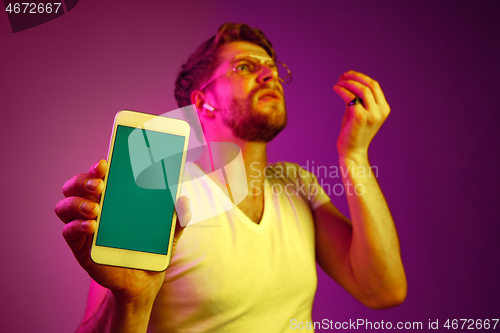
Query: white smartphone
[146,161]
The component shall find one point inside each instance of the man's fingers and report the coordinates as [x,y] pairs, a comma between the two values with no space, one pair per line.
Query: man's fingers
[89,185]
[374,86]
[72,208]
[183,217]
[345,94]
[78,235]
[183,208]
[98,169]
[84,185]
[361,91]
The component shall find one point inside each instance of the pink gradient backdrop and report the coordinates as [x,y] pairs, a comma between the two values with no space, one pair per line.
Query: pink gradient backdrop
[62,82]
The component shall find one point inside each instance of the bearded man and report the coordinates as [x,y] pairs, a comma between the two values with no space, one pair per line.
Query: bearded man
[252,268]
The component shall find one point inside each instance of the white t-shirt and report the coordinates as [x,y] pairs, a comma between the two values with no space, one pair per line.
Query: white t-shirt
[230,274]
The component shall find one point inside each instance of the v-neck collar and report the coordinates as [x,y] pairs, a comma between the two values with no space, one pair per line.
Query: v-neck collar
[264,221]
[242,217]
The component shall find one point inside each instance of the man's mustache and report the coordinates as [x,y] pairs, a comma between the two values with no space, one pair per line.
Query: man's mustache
[271,86]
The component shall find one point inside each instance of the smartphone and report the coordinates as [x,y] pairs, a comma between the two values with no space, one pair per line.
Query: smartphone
[136,225]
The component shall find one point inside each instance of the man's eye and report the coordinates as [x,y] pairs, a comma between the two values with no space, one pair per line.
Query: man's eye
[243,67]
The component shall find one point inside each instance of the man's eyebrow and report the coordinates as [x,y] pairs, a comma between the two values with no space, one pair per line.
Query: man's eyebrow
[261,57]
[241,56]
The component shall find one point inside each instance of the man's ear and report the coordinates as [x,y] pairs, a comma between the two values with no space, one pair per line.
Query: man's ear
[198,99]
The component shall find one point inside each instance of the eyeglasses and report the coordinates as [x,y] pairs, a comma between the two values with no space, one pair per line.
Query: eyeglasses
[249,65]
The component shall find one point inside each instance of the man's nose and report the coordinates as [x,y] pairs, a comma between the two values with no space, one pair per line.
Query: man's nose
[267,73]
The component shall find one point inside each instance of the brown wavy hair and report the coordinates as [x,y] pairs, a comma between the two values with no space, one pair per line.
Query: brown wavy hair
[200,65]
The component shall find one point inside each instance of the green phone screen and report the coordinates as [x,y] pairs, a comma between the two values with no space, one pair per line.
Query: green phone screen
[137,211]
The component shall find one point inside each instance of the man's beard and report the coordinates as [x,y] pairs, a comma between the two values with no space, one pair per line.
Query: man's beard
[254,125]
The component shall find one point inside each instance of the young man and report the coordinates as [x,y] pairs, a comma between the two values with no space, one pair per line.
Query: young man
[252,269]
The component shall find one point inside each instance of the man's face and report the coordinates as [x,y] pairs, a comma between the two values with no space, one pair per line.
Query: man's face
[253,106]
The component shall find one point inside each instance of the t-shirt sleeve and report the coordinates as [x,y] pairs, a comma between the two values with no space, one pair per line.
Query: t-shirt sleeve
[310,189]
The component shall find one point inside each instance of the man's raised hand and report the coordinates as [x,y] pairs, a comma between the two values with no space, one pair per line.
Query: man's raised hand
[361,121]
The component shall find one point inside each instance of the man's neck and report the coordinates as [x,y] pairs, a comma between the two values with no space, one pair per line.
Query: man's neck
[254,159]
[254,162]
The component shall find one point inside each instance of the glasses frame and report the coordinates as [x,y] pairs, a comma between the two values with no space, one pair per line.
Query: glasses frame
[261,61]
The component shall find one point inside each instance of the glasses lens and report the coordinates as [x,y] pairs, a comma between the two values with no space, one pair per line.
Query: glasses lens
[283,72]
[245,66]
[248,66]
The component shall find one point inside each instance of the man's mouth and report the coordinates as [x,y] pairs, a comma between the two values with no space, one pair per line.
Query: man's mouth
[268,94]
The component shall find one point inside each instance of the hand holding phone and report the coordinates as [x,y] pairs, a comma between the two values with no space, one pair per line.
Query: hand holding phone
[126,284]
[79,210]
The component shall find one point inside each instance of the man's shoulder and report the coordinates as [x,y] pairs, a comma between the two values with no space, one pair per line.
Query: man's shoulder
[294,178]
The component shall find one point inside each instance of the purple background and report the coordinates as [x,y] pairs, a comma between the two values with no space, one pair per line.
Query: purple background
[438,62]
